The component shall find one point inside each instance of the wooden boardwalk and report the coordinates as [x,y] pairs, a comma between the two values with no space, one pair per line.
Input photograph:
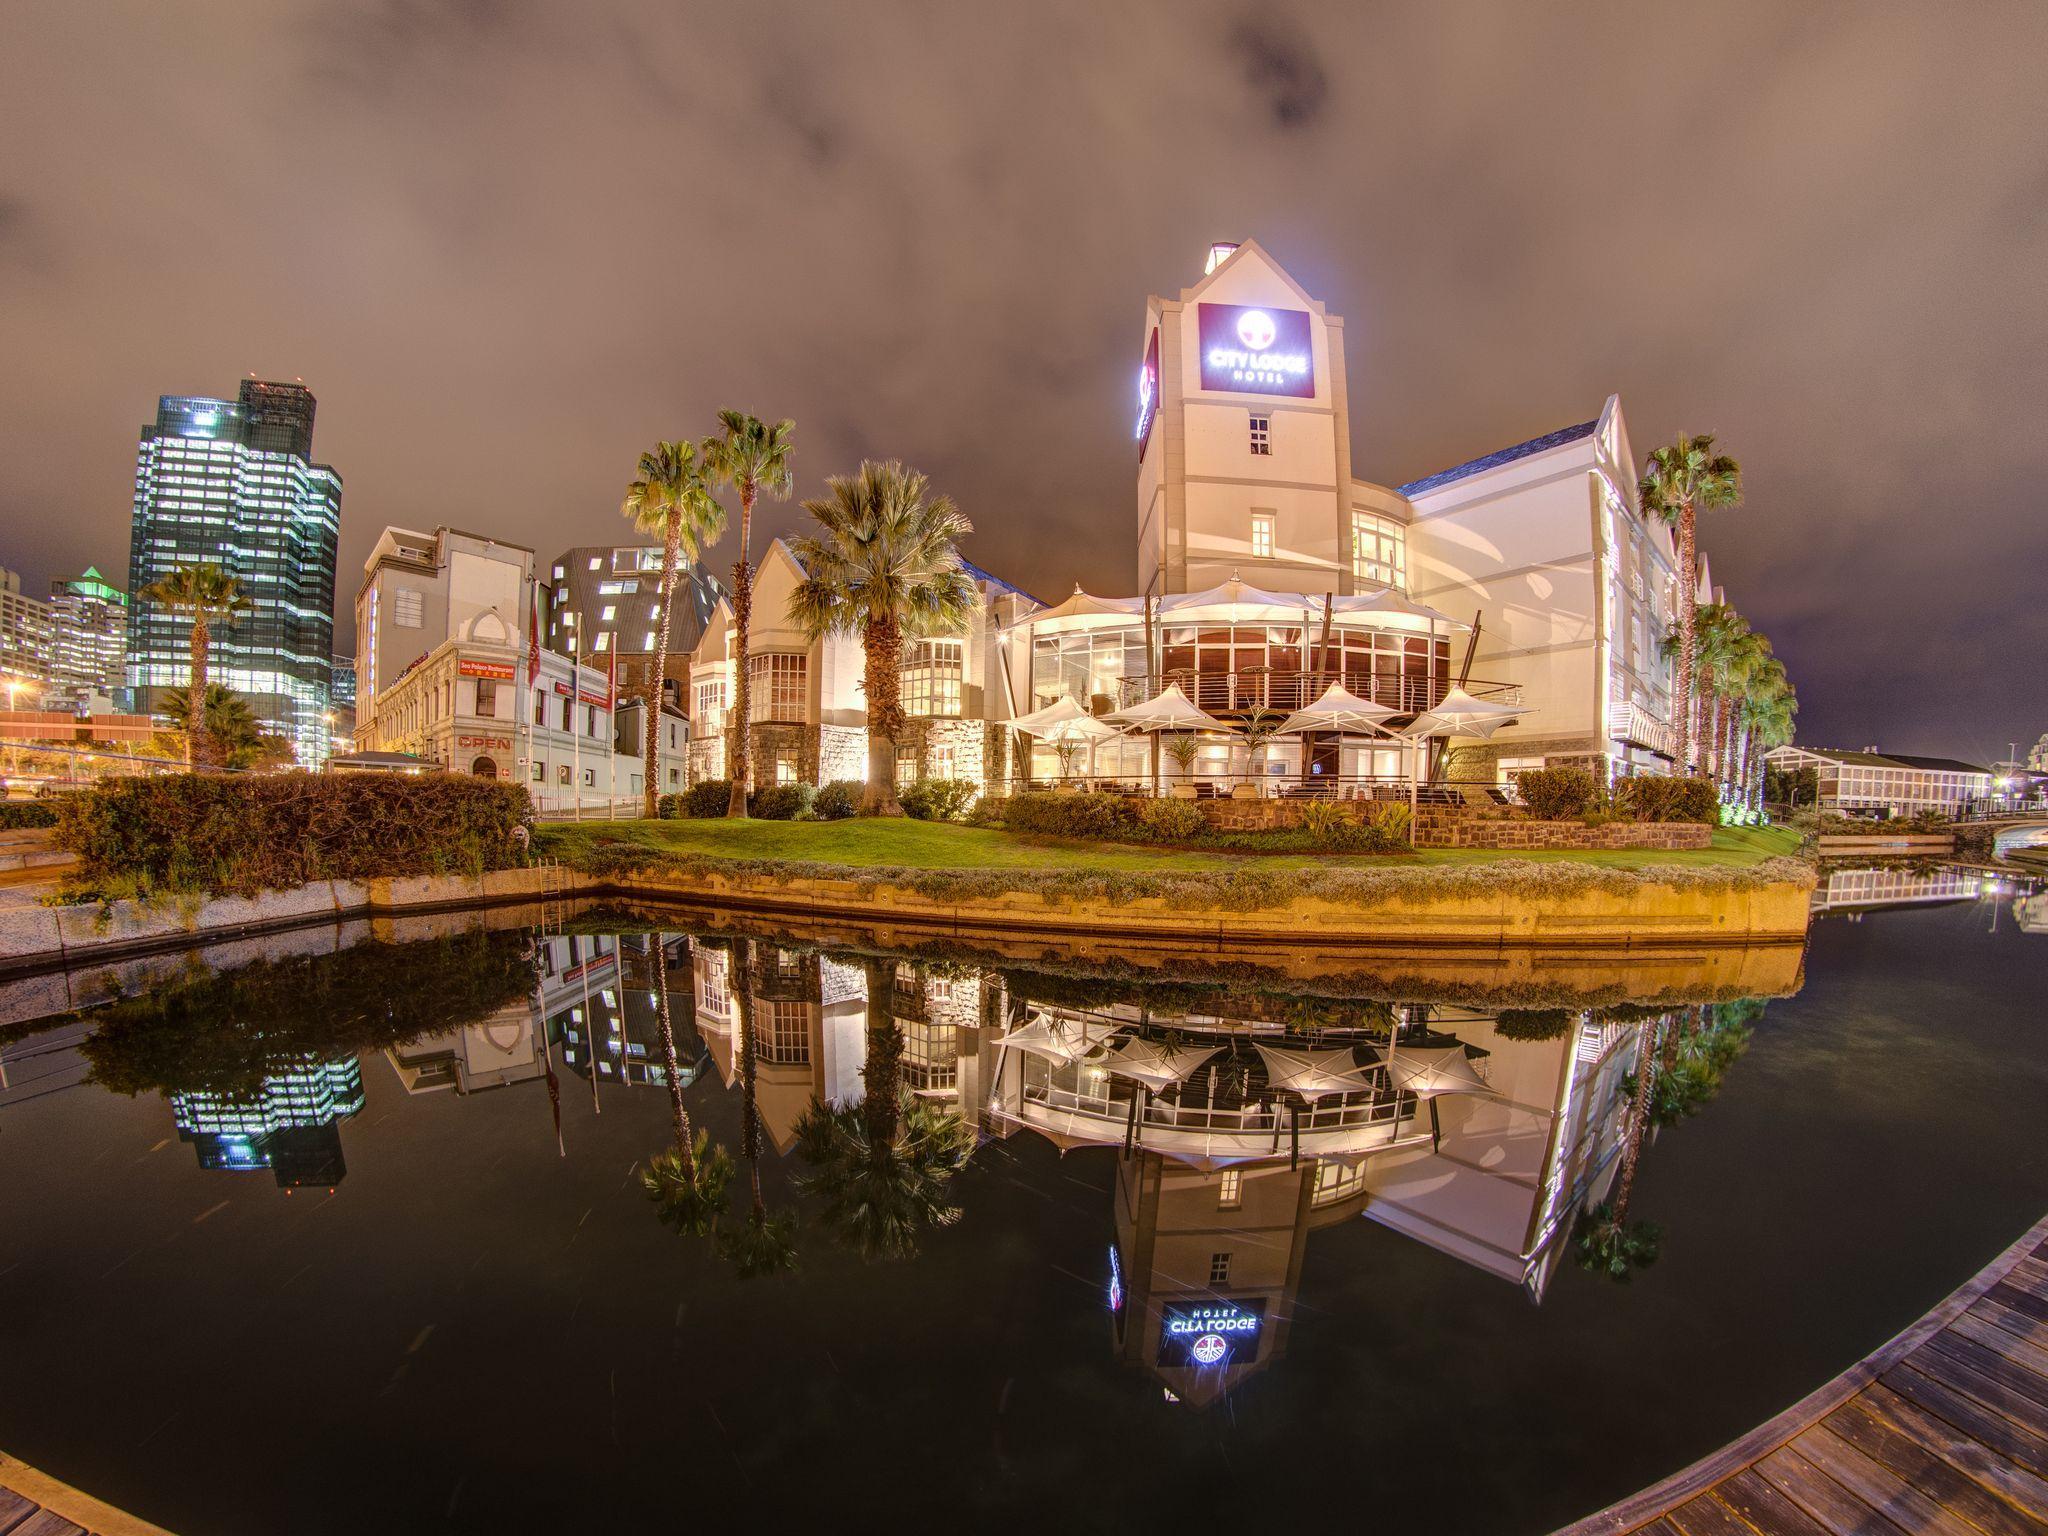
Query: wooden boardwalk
[1944,1429]
[33,1503]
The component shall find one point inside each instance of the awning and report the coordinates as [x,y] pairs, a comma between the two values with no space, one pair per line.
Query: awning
[1170,710]
[1388,603]
[1312,1074]
[1058,1040]
[1237,602]
[1433,1070]
[1338,709]
[1063,720]
[1459,714]
[1082,607]
[1158,1064]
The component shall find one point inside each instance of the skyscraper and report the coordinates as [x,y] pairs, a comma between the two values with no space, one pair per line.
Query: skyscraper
[88,637]
[24,645]
[232,483]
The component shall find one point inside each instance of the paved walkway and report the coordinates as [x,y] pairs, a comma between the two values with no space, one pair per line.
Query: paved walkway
[34,1504]
[1944,1429]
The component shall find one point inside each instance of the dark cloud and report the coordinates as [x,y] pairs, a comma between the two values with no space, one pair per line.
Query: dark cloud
[1280,66]
[510,244]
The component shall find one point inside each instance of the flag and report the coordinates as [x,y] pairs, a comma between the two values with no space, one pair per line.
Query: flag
[611,682]
[533,637]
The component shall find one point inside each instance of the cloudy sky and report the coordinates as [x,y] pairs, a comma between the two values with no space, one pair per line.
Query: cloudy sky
[509,244]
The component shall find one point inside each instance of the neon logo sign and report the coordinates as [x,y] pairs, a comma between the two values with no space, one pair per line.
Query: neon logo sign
[1211,1332]
[1148,393]
[1209,1349]
[1257,351]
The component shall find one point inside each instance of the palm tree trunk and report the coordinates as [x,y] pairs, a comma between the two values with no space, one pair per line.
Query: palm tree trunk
[195,702]
[882,1076]
[671,1070]
[883,642]
[1638,1122]
[671,557]
[750,1108]
[1688,629]
[742,620]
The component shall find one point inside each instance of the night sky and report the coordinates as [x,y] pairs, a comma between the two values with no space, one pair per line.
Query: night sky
[508,245]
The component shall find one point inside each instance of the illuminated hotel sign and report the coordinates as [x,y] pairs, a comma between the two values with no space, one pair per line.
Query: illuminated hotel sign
[1148,393]
[1257,351]
[498,669]
[1210,1332]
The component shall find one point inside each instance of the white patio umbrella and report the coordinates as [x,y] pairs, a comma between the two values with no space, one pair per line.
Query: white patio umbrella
[1340,712]
[1065,720]
[1431,1071]
[1168,710]
[1057,1040]
[1158,1064]
[1457,713]
[1311,1074]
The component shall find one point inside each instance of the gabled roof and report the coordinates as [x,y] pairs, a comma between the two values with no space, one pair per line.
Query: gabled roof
[1495,460]
[1887,760]
[996,581]
[1937,764]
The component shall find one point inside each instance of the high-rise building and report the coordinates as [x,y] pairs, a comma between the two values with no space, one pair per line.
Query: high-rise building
[24,645]
[88,637]
[602,602]
[291,1125]
[233,484]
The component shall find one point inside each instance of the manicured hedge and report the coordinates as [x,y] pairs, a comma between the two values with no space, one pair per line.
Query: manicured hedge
[1656,797]
[838,800]
[1556,794]
[706,798]
[243,834]
[16,814]
[938,799]
[1064,815]
[781,802]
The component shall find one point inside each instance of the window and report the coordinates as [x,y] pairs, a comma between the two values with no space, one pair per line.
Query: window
[615,589]
[1262,535]
[408,608]
[590,778]
[931,678]
[596,562]
[486,699]
[1230,1193]
[565,725]
[1219,1269]
[1262,434]
[1378,549]
[590,721]
[562,774]
[540,773]
[540,707]
[604,641]
[611,611]
[777,680]
[558,573]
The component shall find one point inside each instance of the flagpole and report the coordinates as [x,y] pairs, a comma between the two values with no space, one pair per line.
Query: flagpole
[576,727]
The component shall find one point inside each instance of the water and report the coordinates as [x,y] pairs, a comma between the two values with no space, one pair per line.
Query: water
[310,1269]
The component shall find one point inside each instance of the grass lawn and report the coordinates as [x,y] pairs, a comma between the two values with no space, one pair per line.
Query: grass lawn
[939,845]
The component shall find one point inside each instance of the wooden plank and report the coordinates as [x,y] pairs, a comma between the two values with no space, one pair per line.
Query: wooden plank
[1835,1507]
[2026,1303]
[1894,1496]
[2016,1379]
[1765,1508]
[14,1509]
[1980,1421]
[1661,1528]
[1708,1516]
[2030,1357]
[2018,1324]
[2018,1487]
[47,1523]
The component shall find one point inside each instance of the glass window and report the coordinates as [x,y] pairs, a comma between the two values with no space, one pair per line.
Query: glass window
[486,698]
[1378,549]
[1219,1269]
[1262,434]
[1262,535]
[777,684]
[931,678]
[1230,1193]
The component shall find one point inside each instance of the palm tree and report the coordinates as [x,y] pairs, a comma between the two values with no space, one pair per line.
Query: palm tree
[1680,481]
[1607,1242]
[752,458]
[689,1180]
[210,595]
[883,1167]
[1768,713]
[670,498]
[884,565]
[767,1243]
[1721,668]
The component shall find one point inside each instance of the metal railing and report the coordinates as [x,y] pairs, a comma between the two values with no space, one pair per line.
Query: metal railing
[1254,688]
[1266,1116]
[1238,785]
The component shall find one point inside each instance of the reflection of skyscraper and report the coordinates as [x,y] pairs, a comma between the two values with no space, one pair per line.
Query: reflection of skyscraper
[598,995]
[292,1125]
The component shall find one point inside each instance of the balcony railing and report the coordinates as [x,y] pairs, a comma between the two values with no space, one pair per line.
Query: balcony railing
[1254,688]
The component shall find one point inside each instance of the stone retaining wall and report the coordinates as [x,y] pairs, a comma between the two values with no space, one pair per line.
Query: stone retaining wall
[1449,826]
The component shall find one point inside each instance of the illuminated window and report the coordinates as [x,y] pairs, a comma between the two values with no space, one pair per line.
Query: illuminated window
[1378,549]
[1219,1269]
[611,611]
[777,682]
[931,678]
[1230,1193]
[1262,535]
[1262,434]
[604,642]
[596,562]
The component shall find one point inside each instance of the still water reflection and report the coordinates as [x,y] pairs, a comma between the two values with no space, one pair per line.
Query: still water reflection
[619,1221]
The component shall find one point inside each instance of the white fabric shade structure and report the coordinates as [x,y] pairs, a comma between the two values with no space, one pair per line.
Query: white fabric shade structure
[1432,1071]
[1388,603]
[1083,606]
[1236,602]
[1169,710]
[1312,1074]
[1059,1041]
[1340,710]
[1158,1064]
[1063,720]
[1458,713]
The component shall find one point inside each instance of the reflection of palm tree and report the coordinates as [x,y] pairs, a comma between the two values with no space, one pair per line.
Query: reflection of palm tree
[766,1244]
[688,1181]
[1608,1242]
[883,1167]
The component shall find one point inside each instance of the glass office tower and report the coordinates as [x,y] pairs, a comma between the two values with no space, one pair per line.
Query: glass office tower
[232,483]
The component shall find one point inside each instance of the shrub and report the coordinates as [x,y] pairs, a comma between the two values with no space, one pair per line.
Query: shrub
[938,799]
[1064,815]
[1657,797]
[1392,827]
[1173,821]
[1533,1023]
[15,814]
[1556,794]
[838,800]
[706,799]
[241,835]
[1327,820]
[782,802]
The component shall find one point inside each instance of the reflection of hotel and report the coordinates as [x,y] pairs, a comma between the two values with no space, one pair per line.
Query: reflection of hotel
[598,999]
[292,1125]
[1855,891]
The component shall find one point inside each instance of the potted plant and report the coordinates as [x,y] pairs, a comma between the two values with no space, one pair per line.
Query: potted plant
[1068,752]
[1183,750]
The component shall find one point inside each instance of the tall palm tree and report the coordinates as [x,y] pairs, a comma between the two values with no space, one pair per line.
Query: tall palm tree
[1681,480]
[885,564]
[671,498]
[753,459]
[1768,714]
[1721,669]
[883,1167]
[210,595]
[1607,1242]
[766,1244]
[688,1181]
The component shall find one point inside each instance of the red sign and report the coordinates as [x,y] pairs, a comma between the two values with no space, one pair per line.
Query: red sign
[1148,393]
[497,669]
[562,691]
[502,743]
[1257,351]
